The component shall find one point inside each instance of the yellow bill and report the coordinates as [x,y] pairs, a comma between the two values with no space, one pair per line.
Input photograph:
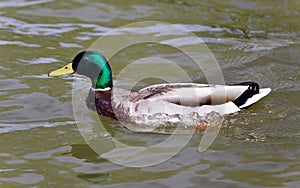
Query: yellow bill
[63,71]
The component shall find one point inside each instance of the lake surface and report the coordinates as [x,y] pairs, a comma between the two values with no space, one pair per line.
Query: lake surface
[41,145]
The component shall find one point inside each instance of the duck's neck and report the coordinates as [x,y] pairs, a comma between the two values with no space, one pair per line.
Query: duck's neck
[104,80]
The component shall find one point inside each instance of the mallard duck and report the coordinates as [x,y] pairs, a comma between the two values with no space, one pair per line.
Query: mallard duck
[175,98]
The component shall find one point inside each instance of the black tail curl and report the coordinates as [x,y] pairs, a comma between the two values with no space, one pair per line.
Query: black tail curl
[253,88]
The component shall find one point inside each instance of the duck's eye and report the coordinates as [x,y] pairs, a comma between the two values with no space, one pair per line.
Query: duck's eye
[66,67]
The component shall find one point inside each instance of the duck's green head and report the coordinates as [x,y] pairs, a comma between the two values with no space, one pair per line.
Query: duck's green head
[91,64]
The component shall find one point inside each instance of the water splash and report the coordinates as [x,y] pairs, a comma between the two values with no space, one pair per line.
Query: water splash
[173,124]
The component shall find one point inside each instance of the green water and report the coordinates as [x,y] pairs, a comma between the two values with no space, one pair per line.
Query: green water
[41,145]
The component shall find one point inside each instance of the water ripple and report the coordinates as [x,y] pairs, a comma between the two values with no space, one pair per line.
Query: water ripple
[9,127]
[25,28]
[22,3]
[40,60]
[19,43]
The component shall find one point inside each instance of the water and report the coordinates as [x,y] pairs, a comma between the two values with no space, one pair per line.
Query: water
[41,146]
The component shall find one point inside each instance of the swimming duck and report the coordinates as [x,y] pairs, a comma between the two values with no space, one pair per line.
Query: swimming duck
[174,98]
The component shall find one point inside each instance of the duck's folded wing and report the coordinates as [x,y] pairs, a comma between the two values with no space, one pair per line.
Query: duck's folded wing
[155,106]
[189,97]
[190,94]
[165,91]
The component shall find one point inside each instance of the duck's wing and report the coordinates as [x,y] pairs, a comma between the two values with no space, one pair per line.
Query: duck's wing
[191,94]
[165,91]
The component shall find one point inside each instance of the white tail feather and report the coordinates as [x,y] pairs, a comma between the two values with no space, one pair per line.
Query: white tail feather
[262,93]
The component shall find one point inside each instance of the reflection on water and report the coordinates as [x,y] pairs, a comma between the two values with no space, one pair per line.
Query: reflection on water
[252,40]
